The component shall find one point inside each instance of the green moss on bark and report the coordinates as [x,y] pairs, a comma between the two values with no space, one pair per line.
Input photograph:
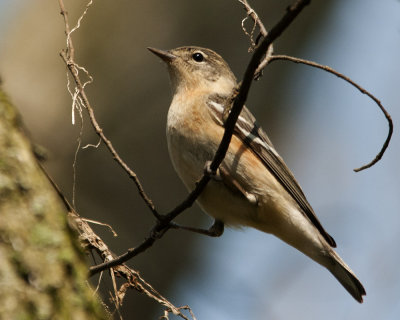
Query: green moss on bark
[42,269]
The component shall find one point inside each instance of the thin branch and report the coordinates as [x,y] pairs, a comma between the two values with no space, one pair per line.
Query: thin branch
[263,31]
[133,279]
[92,241]
[270,57]
[70,46]
[102,224]
[257,22]
[156,233]
[99,131]
[239,99]
[250,12]
[361,89]
[291,13]
[68,57]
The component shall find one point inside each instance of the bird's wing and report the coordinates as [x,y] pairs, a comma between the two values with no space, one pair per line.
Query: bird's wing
[257,140]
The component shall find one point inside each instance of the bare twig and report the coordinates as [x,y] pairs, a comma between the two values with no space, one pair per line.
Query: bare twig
[263,31]
[87,235]
[92,241]
[163,224]
[155,233]
[68,57]
[254,16]
[70,46]
[102,224]
[168,311]
[271,57]
[115,297]
[361,89]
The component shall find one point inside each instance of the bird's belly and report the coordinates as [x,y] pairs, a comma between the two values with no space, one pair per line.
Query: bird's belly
[218,200]
[275,212]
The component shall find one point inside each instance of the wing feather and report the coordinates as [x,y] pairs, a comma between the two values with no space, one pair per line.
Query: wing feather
[257,140]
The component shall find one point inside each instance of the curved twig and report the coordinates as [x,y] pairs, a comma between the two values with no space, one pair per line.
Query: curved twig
[361,89]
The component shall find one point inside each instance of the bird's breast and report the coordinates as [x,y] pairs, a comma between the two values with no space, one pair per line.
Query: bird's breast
[192,137]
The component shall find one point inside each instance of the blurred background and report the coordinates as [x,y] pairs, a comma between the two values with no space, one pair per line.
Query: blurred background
[321,126]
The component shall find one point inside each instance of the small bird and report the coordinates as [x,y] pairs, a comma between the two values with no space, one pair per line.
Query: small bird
[253,186]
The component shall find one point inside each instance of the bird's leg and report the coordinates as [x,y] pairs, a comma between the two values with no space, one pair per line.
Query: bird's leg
[216,230]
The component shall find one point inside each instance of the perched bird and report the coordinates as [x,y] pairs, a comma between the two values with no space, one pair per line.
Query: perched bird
[253,186]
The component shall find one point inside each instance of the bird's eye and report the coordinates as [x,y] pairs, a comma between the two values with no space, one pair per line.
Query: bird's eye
[198,57]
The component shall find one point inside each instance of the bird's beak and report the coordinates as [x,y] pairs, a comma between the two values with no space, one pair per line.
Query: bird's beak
[165,55]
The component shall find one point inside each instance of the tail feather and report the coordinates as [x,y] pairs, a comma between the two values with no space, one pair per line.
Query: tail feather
[346,277]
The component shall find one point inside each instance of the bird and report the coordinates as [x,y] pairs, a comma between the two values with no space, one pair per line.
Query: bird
[253,187]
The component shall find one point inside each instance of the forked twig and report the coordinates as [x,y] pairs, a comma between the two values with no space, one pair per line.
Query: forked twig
[271,57]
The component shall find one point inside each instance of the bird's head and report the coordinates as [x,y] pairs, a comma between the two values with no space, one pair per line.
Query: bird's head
[195,68]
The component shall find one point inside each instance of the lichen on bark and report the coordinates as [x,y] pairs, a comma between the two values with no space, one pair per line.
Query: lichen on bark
[43,274]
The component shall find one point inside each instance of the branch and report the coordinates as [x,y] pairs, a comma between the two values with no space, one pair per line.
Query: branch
[250,12]
[240,97]
[361,89]
[263,32]
[132,278]
[91,241]
[70,46]
[270,57]
[73,67]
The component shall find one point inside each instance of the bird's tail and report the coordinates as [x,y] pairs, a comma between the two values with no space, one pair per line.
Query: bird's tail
[346,277]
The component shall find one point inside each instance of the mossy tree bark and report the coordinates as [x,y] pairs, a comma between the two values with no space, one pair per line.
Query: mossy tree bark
[42,268]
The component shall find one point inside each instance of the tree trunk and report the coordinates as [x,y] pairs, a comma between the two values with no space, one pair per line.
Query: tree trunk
[43,274]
